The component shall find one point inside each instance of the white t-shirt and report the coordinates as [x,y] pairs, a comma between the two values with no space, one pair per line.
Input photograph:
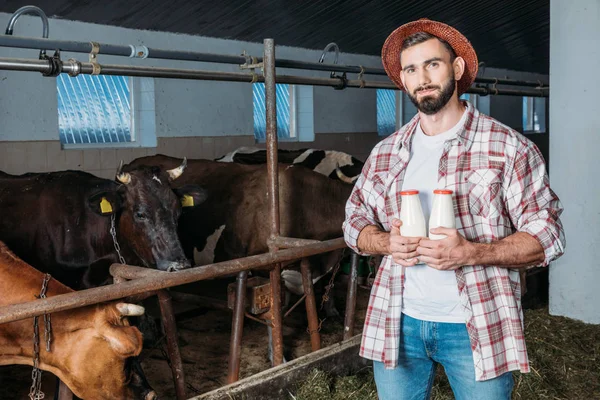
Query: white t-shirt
[429,294]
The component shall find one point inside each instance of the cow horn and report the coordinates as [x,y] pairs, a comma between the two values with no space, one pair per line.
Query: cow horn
[343,177]
[130,310]
[123,177]
[176,172]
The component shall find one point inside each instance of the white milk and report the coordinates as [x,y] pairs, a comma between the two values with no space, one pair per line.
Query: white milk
[411,215]
[442,212]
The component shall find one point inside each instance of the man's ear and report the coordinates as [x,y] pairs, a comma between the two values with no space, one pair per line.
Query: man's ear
[105,203]
[191,195]
[459,68]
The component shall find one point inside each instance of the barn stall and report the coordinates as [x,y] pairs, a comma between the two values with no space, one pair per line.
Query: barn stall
[142,280]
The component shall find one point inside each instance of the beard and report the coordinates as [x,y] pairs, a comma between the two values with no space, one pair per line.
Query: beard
[430,105]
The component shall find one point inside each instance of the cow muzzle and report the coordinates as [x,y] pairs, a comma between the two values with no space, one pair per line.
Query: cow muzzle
[172,266]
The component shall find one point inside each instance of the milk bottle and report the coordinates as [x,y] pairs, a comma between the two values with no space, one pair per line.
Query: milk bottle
[442,212]
[411,215]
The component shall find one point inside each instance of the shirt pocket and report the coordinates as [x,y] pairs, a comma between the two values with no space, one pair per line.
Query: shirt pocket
[485,187]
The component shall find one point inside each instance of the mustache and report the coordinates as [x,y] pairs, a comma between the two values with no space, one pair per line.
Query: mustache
[428,87]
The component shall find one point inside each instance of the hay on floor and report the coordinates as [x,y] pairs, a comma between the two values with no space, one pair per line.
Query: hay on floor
[564,356]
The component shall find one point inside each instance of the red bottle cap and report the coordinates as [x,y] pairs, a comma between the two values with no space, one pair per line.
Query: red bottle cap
[408,192]
[442,191]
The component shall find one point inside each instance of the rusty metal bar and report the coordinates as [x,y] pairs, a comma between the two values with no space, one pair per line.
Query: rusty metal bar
[311,305]
[170,330]
[294,306]
[273,195]
[237,328]
[287,242]
[128,272]
[351,297]
[16,312]
[64,393]
[260,321]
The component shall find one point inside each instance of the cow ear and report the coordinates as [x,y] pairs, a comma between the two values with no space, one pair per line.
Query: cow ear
[105,203]
[124,340]
[191,195]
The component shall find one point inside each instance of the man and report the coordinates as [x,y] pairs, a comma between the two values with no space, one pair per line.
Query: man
[455,301]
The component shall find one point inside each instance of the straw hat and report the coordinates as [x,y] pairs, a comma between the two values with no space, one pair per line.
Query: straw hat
[390,53]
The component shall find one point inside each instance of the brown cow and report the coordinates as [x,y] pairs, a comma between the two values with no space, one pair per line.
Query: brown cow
[92,347]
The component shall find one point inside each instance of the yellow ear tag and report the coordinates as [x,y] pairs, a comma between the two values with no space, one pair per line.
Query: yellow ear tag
[187,201]
[105,206]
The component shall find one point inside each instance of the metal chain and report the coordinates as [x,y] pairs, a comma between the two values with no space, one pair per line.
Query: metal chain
[330,285]
[35,392]
[113,233]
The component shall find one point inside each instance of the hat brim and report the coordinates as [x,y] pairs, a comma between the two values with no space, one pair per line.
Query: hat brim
[390,53]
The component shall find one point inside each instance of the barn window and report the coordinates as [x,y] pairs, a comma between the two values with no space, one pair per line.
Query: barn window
[105,111]
[387,111]
[534,114]
[283,112]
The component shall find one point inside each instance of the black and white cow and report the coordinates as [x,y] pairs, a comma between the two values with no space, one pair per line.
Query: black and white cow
[331,163]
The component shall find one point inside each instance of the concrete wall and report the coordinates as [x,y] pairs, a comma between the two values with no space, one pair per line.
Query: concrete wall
[197,119]
[575,122]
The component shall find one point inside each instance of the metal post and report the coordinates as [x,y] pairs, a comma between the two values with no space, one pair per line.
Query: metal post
[311,305]
[273,193]
[237,328]
[64,393]
[170,330]
[351,297]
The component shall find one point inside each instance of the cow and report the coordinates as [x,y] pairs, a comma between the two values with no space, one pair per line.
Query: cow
[92,348]
[74,225]
[334,164]
[236,209]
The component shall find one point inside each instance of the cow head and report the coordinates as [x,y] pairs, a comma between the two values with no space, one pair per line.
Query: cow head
[147,211]
[97,360]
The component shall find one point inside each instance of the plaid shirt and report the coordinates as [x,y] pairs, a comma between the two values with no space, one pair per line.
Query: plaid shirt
[500,187]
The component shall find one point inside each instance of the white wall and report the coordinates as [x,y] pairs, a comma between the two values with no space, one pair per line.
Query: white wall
[575,124]
[183,108]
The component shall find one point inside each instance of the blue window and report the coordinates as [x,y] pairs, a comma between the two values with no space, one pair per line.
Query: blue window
[283,111]
[94,109]
[534,114]
[387,109]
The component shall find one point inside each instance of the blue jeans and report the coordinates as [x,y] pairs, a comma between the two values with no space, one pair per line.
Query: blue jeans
[424,345]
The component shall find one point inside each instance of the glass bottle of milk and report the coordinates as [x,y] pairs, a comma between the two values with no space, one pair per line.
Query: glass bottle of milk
[442,212]
[411,215]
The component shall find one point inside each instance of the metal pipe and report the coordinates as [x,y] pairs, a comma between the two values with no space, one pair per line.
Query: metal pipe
[16,312]
[180,55]
[237,328]
[292,308]
[351,297]
[287,242]
[170,330]
[311,305]
[273,195]
[71,67]
[30,10]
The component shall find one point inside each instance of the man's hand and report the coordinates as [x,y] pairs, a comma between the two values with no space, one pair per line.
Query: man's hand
[402,248]
[446,254]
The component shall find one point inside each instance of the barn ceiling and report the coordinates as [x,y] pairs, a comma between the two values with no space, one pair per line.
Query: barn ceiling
[511,34]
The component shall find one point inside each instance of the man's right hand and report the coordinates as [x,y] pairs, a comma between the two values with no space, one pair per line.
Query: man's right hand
[403,248]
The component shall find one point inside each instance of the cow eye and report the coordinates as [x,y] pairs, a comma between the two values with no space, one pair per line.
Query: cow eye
[140,215]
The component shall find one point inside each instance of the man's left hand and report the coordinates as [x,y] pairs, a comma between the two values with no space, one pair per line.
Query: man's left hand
[446,254]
